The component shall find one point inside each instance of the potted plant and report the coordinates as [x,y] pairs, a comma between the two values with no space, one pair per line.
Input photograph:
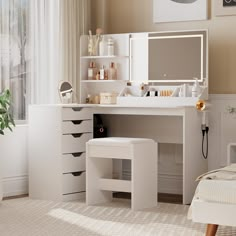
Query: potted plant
[6,120]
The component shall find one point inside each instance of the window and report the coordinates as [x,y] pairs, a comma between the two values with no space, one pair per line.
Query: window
[14,53]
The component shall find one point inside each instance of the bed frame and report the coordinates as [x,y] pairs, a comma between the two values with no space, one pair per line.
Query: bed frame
[213,214]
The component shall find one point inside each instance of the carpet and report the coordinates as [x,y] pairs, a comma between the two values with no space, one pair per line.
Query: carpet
[26,217]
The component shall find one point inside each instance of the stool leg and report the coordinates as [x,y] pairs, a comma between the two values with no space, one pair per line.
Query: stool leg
[144,176]
[97,168]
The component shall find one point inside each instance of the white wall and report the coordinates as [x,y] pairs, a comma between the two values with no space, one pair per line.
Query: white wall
[13,161]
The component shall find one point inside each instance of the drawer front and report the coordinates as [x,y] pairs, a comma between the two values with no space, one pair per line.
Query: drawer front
[76,113]
[73,127]
[73,162]
[75,143]
[71,183]
[73,196]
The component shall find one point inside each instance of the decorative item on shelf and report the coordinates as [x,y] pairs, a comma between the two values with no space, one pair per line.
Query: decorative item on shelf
[93,42]
[96,99]
[102,73]
[92,71]
[110,47]
[152,93]
[160,93]
[196,90]
[184,91]
[166,93]
[112,72]
[65,92]
[108,98]
[102,46]
[88,99]
[135,90]
[98,75]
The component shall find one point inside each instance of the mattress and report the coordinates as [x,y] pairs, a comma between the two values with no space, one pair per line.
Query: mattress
[222,191]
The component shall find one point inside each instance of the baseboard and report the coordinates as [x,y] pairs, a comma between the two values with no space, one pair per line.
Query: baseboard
[13,186]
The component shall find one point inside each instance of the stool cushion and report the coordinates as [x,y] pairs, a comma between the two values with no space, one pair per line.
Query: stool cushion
[118,141]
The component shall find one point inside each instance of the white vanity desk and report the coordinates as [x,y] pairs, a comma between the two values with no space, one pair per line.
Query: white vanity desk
[57,158]
[188,133]
[165,61]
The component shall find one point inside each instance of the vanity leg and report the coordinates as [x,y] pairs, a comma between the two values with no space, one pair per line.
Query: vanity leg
[211,230]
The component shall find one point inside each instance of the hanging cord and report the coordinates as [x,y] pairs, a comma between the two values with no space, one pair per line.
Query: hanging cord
[205,130]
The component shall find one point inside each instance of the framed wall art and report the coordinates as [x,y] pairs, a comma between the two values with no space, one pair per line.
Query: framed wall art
[224,7]
[179,10]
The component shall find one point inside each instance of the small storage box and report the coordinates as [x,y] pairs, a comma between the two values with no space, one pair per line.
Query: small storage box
[108,98]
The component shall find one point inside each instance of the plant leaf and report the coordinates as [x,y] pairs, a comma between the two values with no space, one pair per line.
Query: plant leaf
[6,119]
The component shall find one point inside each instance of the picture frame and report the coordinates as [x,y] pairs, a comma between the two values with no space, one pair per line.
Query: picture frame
[220,10]
[179,10]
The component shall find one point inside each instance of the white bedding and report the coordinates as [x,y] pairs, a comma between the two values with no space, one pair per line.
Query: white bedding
[225,173]
[223,191]
[218,186]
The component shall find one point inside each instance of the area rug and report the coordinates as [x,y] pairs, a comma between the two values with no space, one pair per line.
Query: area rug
[26,217]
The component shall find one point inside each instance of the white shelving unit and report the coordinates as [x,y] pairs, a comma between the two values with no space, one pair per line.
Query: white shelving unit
[121,60]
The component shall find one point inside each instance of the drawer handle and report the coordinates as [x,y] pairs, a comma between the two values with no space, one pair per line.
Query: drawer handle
[76,135]
[80,134]
[76,122]
[77,108]
[77,173]
[77,154]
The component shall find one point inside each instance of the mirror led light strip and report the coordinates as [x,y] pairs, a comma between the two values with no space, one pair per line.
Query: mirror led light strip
[170,37]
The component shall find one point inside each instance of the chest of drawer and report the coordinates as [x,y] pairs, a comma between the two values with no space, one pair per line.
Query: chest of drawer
[70,113]
[73,182]
[73,162]
[75,143]
[73,127]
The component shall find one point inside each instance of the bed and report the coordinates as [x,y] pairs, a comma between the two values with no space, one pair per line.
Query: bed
[214,202]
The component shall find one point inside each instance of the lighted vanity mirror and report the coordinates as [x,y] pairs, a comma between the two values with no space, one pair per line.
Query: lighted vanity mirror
[169,57]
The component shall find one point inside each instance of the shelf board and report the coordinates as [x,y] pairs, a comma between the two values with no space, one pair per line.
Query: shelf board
[102,57]
[103,81]
[115,185]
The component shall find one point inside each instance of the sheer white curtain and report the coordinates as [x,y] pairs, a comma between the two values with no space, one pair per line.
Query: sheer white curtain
[55,31]
[14,52]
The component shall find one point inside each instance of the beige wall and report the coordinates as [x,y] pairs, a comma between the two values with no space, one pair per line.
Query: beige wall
[124,16]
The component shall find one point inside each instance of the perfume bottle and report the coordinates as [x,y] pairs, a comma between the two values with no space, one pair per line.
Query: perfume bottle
[102,46]
[112,72]
[102,73]
[88,99]
[92,70]
[110,47]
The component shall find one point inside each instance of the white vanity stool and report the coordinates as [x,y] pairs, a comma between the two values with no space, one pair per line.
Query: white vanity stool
[99,183]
